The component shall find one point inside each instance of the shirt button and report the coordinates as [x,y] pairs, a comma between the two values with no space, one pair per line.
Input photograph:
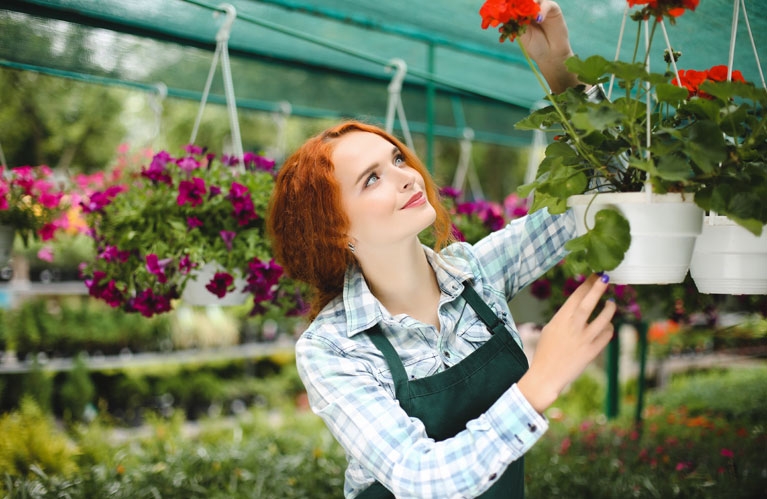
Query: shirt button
[532,427]
[447,354]
[493,476]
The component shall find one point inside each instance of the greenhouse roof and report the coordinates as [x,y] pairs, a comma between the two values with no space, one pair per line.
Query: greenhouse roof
[333,57]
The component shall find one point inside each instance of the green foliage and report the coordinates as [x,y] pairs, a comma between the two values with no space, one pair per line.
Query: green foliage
[68,131]
[602,247]
[734,394]
[77,391]
[38,386]
[31,444]
[710,140]
[676,452]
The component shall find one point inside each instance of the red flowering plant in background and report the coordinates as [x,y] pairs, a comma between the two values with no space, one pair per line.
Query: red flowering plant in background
[32,202]
[157,226]
[701,135]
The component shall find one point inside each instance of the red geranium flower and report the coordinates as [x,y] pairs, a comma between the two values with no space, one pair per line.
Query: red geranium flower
[660,8]
[513,16]
[692,79]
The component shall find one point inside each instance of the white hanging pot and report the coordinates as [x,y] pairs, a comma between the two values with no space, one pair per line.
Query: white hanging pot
[729,259]
[663,232]
[195,292]
[7,233]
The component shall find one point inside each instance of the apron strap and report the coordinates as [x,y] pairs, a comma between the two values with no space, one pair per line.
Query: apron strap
[399,376]
[492,321]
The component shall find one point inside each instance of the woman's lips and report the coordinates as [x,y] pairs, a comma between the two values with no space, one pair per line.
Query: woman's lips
[417,200]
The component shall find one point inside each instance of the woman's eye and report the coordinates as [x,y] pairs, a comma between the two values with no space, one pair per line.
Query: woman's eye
[372,179]
[399,160]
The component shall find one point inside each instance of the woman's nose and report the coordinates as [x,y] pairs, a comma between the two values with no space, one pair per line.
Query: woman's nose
[407,178]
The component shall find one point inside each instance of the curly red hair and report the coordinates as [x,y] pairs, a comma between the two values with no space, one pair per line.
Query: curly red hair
[307,224]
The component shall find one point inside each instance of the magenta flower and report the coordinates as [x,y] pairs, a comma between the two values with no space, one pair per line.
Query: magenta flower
[47,231]
[262,279]
[50,199]
[220,284]
[45,254]
[186,265]
[113,254]
[228,237]
[230,160]
[239,196]
[191,191]
[4,189]
[449,192]
[727,453]
[193,222]
[147,303]
[193,149]
[541,289]
[157,267]
[98,200]
[107,292]
[158,171]
[188,163]
[258,162]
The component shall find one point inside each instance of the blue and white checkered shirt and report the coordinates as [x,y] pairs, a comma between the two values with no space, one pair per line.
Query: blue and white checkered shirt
[350,386]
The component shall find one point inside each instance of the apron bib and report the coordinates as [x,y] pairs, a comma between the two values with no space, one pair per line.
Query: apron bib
[448,400]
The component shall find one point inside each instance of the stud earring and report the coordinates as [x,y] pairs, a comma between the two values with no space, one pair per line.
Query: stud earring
[351,247]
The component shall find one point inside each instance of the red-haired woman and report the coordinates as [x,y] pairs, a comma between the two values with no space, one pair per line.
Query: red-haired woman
[412,357]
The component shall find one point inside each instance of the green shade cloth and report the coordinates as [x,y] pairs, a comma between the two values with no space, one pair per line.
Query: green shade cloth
[328,57]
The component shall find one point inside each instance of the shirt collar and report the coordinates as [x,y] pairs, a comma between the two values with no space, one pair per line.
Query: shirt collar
[363,310]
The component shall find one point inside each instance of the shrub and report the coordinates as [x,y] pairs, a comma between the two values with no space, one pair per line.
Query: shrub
[32,442]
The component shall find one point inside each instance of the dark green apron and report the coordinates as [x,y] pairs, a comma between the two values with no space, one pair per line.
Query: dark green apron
[448,400]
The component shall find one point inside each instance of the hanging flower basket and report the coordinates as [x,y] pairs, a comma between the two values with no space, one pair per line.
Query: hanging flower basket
[729,259]
[663,230]
[158,230]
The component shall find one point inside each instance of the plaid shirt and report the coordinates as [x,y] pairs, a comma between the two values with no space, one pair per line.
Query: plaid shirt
[350,386]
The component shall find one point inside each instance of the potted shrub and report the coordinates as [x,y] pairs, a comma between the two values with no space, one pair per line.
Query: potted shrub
[31,204]
[156,229]
[655,147]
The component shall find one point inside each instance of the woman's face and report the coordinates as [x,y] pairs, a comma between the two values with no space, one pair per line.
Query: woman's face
[383,197]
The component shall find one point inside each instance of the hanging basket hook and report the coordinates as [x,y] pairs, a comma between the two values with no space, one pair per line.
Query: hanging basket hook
[226,28]
[400,67]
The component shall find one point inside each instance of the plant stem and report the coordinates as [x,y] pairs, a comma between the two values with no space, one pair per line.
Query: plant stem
[563,118]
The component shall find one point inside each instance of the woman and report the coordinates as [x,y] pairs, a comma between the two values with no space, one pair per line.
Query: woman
[412,358]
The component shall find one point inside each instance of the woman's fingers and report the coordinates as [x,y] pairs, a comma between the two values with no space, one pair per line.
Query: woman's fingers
[585,307]
[602,323]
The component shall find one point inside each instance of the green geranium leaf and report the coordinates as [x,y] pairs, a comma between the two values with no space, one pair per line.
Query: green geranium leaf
[704,144]
[671,94]
[727,91]
[604,246]
[597,117]
[554,204]
[644,164]
[591,70]
[673,167]
[540,118]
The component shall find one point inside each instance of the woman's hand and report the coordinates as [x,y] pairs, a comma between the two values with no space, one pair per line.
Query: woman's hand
[569,342]
[548,44]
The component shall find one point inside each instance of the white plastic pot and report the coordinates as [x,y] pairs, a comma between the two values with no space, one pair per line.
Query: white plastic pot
[663,232]
[729,259]
[195,292]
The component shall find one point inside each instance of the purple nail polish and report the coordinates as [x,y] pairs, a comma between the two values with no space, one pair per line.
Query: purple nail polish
[539,18]
[605,278]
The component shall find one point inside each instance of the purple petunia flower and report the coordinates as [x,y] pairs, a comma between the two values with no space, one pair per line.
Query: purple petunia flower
[191,191]
[220,284]
[228,237]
